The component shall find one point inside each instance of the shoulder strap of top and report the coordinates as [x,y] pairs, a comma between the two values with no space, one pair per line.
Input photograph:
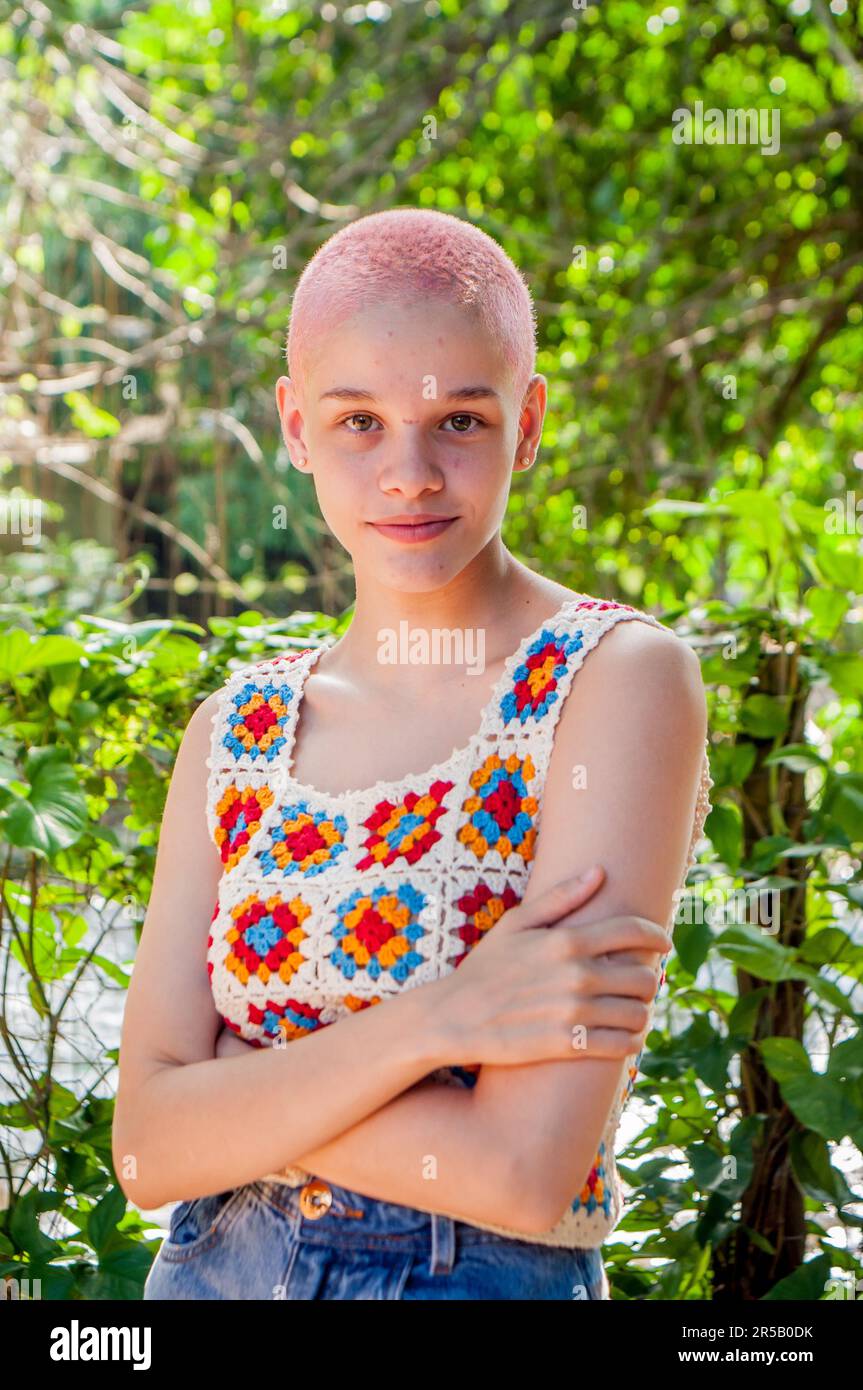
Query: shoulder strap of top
[543,681]
[253,717]
[251,710]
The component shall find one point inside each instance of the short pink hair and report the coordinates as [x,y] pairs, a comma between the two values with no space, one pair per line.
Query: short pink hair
[415,252]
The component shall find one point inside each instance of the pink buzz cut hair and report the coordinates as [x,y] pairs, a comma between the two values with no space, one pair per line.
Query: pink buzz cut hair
[413,252]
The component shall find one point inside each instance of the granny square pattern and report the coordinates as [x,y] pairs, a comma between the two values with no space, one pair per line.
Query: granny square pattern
[376,932]
[304,842]
[405,829]
[256,725]
[239,810]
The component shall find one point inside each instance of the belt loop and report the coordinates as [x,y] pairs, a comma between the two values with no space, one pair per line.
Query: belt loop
[442,1244]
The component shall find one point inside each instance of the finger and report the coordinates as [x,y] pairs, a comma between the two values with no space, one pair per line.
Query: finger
[609,1043]
[608,978]
[617,1011]
[555,902]
[619,933]
[633,958]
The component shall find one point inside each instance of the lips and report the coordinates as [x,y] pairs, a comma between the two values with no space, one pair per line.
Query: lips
[418,531]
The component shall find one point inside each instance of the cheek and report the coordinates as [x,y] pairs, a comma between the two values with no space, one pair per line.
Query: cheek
[480,479]
[491,496]
[342,498]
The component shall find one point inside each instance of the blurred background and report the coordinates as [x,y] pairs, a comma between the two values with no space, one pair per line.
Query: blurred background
[681,186]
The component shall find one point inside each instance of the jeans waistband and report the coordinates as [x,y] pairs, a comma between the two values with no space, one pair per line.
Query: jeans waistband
[322,1213]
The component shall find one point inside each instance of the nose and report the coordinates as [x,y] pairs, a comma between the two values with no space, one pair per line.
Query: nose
[411,467]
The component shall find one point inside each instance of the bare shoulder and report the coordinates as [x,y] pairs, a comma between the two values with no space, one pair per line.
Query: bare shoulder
[199,728]
[204,713]
[639,673]
[637,648]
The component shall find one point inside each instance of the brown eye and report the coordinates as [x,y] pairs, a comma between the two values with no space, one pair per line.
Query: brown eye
[468,419]
[359,416]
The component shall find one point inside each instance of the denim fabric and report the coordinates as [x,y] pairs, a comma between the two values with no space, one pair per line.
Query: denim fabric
[256,1242]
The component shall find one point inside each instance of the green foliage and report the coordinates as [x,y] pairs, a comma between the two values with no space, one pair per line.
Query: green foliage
[699,304]
[699,324]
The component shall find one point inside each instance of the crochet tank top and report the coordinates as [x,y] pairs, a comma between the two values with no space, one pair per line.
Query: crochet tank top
[330,904]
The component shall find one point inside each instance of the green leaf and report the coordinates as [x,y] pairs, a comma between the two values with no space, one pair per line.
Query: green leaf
[699,1047]
[824,1103]
[53,814]
[741,1020]
[806,1283]
[765,716]
[846,674]
[843,802]
[810,1159]
[828,608]
[731,764]
[757,953]
[24,1225]
[103,1219]
[844,568]
[20,653]
[89,418]
[692,941]
[833,946]
[798,756]
[724,829]
[828,991]
[846,1059]
[706,1163]
[124,1269]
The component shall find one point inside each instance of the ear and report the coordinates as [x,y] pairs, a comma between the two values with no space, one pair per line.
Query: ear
[291,417]
[530,418]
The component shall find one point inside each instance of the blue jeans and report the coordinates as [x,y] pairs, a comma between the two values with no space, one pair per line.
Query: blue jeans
[269,1240]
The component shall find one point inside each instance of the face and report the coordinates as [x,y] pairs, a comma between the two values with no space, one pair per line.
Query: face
[408,412]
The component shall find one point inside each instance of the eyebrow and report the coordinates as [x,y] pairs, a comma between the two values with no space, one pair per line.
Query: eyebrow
[461,393]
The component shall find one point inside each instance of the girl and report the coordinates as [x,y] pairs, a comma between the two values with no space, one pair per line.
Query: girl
[458,1142]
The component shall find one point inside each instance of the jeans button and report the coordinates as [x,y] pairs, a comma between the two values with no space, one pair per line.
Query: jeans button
[316,1198]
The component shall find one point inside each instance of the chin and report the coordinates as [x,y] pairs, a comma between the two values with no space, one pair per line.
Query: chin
[419,576]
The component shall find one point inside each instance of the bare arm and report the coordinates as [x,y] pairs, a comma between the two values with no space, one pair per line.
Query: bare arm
[636,721]
[189,1124]
[430,1148]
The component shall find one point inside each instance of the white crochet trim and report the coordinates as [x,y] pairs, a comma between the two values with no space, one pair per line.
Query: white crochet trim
[444,872]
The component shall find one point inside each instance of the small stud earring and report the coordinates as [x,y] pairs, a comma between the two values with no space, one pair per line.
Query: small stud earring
[525,458]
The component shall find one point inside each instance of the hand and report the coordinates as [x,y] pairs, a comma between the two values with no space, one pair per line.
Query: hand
[582,989]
